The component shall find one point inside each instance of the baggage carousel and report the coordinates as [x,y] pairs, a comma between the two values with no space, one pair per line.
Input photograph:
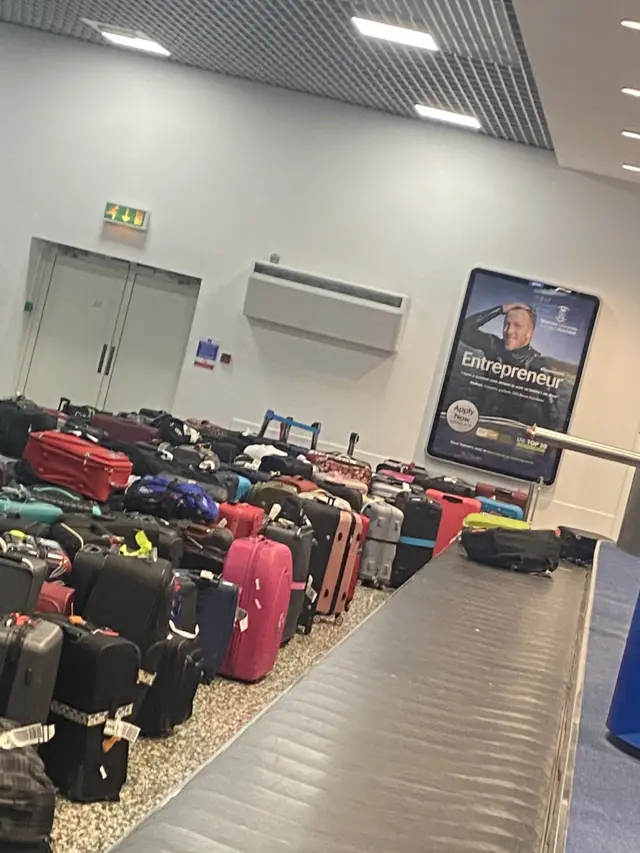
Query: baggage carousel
[441,723]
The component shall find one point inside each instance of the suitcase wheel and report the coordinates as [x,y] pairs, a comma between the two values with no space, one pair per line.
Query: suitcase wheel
[339,619]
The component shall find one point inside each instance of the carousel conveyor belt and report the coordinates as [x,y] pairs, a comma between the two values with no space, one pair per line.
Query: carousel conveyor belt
[437,725]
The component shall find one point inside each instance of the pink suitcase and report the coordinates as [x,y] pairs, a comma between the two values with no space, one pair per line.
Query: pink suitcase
[262,570]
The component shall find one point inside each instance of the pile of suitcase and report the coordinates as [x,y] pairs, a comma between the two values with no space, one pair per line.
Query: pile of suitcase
[142,555]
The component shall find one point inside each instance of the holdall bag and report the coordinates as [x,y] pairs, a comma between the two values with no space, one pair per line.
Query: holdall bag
[20,417]
[454,511]
[449,486]
[379,552]
[29,656]
[300,541]
[218,535]
[288,465]
[91,710]
[171,499]
[66,500]
[490,505]
[528,551]
[27,795]
[21,580]
[162,535]
[55,597]
[340,490]
[262,571]
[172,430]
[332,527]
[418,536]
[242,519]
[488,490]
[266,495]
[217,612]
[169,700]
[488,521]
[146,459]
[123,429]
[69,461]
[73,532]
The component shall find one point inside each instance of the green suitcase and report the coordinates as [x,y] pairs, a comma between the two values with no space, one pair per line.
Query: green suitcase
[488,521]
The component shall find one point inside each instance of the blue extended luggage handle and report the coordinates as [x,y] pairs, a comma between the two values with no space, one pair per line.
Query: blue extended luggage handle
[286,424]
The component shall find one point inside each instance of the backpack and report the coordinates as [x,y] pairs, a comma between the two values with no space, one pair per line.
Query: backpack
[529,551]
[27,796]
[167,498]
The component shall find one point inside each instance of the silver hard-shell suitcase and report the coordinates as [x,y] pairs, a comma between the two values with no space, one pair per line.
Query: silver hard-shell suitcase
[29,656]
[380,547]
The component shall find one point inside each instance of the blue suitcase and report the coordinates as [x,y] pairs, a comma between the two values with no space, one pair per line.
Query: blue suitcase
[217,610]
[499,508]
[244,487]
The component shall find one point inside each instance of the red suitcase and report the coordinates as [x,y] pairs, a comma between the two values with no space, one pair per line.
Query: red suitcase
[488,490]
[124,430]
[242,519]
[70,461]
[454,511]
[262,570]
[300,483]
[366,521]
[56,598]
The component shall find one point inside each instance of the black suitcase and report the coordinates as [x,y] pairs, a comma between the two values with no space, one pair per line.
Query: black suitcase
[217,613]
[184,612]
[129,595]
[207,558]
[169,701]
[27,796]
[417,538]
[29,656]
[289,465]
[159,532]
[300,541]
[91,710]
[18,418]
[32,528]
[21,580]
[74,531]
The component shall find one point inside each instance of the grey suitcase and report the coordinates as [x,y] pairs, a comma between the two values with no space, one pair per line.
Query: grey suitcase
[29,656]
[380,546]
[21,579]
[384,487]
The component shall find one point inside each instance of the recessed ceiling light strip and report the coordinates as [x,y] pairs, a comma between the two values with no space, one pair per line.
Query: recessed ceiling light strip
[449,117]
[630,167]
[631,134]
[390,32]
[634,93]
[631,25]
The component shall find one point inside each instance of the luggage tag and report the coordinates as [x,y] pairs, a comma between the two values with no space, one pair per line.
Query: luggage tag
[222,522]
[274,512]
[310,591]
[119,730]
[242,618]
[27,736]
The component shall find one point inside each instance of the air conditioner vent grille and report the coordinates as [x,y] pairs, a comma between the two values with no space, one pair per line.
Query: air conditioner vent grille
[392,300]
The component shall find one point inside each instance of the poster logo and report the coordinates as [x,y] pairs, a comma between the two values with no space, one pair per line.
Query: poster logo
[517,359]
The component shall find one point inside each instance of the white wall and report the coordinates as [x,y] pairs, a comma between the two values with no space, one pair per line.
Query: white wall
[232,172]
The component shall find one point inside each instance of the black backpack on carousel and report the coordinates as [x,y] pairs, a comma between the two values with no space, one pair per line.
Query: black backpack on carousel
[528,551]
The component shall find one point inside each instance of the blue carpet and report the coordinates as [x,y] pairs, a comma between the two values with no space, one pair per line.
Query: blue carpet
[604,814]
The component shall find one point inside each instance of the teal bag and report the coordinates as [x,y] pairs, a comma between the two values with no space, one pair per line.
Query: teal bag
[31,510]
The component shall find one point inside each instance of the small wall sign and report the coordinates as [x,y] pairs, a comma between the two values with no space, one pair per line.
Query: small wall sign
[122,214]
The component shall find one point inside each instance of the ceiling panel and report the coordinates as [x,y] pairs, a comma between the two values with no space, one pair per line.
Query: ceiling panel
[312,46]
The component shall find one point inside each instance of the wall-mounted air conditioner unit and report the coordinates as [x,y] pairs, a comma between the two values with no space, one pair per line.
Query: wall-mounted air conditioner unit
[309,304]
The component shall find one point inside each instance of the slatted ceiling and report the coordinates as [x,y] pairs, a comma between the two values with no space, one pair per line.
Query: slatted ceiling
[312,46]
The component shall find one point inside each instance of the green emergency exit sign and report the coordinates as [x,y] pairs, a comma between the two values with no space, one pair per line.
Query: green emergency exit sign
[122,214]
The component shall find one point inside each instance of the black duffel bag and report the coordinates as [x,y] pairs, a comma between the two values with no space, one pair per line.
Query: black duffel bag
[529,551]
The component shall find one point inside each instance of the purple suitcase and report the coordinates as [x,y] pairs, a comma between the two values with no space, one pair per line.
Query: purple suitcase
[262,571]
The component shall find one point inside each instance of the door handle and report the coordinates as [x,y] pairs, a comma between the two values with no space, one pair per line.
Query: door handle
[102,355]
[110,360]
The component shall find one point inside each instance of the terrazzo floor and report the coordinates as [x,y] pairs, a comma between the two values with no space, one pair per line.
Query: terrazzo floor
[156,767]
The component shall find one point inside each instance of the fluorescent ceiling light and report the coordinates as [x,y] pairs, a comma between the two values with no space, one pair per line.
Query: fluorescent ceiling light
[630,168]
[444,115]
[635,93]
[136,42]
[631,134]
[402,35]
[631,25]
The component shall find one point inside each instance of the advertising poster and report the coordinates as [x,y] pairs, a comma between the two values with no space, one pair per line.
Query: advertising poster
[516,361]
